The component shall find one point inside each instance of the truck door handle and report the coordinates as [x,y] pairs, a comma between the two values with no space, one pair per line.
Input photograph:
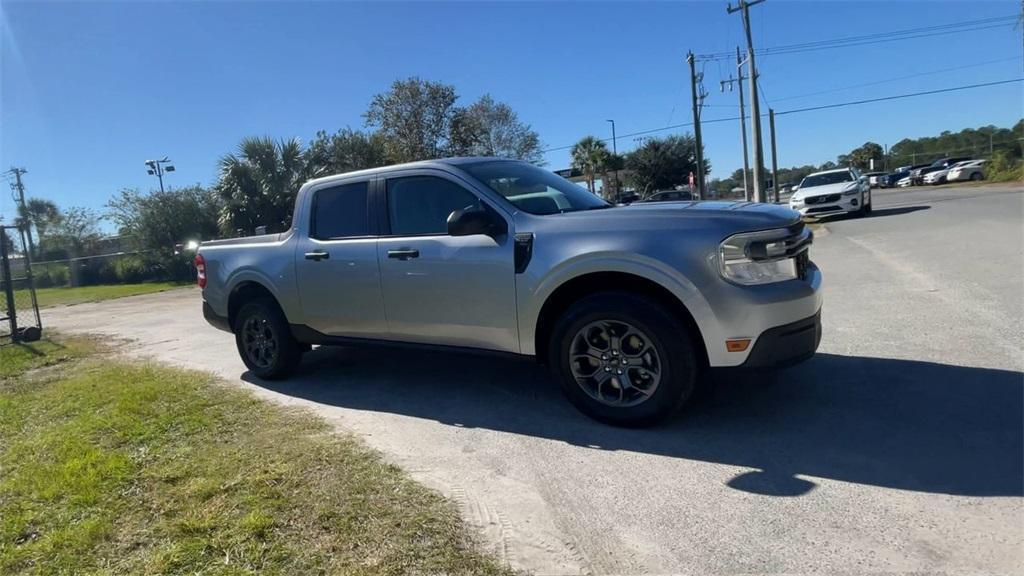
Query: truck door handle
[317,255]
[404,253]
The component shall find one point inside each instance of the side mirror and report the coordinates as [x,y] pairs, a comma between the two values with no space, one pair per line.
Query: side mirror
[472,221]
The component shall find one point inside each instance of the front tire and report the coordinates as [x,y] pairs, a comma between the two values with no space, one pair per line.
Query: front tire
[623,360]
[865,205]
[264,340]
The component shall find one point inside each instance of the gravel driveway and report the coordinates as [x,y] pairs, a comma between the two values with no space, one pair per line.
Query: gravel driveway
[897,448]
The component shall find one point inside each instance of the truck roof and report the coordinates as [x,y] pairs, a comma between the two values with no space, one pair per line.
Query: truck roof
[439,162]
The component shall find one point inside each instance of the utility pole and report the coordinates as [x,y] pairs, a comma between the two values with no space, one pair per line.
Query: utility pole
[755,108]
[615,151]
[743,120]
[696,123]
[775,161]
[19,188]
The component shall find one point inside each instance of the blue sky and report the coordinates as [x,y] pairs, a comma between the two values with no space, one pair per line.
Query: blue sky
[90,90]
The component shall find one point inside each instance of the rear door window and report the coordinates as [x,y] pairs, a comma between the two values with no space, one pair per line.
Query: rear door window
[341,212]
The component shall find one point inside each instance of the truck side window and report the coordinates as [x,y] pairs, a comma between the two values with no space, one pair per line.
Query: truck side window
[419,205]
[341,212]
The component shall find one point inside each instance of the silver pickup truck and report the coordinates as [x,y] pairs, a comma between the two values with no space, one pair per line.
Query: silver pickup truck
[628,306]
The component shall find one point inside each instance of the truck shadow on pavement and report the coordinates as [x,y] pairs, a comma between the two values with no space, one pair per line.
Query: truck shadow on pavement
[898,424]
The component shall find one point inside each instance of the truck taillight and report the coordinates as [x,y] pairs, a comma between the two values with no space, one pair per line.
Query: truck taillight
[201,270]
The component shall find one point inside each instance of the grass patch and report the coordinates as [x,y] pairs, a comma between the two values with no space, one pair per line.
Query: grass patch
[67,296]
[18,358]
[119,467]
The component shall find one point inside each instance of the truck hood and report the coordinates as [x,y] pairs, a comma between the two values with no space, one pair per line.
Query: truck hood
[730,217]
[837,188]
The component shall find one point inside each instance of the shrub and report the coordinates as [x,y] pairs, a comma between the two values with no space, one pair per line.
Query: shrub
[1005,168]
[131,270]
[51,275]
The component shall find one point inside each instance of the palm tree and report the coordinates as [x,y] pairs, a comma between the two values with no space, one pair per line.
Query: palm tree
[259,182]
[39,214]
[589,156]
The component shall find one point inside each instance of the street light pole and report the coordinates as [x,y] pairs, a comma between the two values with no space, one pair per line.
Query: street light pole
[156,169]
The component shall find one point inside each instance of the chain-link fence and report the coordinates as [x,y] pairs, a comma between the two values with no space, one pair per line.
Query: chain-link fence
[19,310]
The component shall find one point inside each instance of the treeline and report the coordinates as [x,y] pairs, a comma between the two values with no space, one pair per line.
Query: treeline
[976,142]
[257,184]
[1002,146]
[657,164]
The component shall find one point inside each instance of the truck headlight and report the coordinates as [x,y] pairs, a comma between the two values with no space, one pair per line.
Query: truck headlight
[761,257]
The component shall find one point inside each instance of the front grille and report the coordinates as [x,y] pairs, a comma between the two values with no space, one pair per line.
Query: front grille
[822,199]
[820,209]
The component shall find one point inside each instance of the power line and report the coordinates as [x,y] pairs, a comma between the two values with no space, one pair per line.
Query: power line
[878,38]
[897,79]
[898,96]
[799,110]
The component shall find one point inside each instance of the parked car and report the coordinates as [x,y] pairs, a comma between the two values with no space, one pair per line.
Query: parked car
[917,175]
[973,170]
[832,192]
[627,305]
[627,198]
[905,182]
[670,196]
[873,178]
[890,179]
[939,176]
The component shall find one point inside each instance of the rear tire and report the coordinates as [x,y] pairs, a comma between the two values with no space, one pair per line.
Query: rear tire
[264,340]
[643,360]
[977,177]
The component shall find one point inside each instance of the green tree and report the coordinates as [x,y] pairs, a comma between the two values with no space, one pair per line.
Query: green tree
[73,234]
[157,222]
[861,157]
[414,117]
[664,163]
[589,156]
[257,185]
[344,151]
[489,128]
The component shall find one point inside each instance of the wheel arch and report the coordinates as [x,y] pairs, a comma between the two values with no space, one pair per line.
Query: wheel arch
[246,291]
[570,291]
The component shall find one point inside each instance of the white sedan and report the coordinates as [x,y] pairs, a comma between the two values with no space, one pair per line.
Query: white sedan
[940,176]
[839,191]
[973,170]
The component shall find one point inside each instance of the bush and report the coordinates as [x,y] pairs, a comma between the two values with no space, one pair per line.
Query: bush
[1005,168]
[51,275]
[131,270]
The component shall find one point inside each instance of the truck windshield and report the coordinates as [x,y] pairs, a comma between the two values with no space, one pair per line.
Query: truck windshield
[533,189]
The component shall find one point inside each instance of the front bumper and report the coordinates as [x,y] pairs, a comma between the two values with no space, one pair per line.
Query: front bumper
[786,345]
[844,205]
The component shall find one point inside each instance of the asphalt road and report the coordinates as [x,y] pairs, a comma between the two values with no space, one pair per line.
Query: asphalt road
[899,447]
